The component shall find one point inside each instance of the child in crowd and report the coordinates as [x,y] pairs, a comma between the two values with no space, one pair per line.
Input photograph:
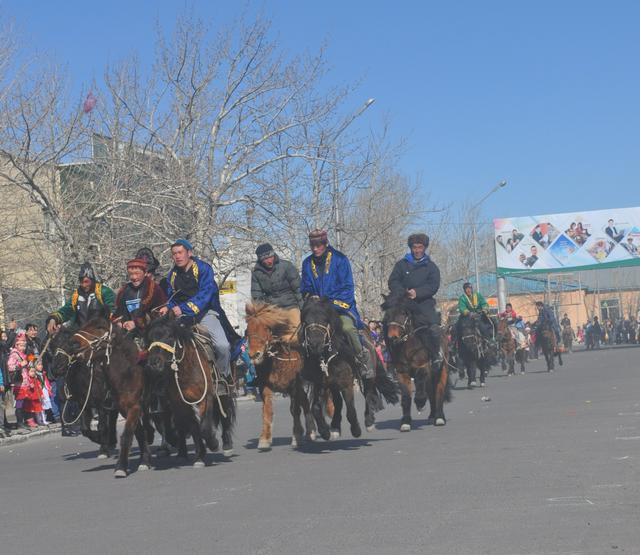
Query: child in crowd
[17,366]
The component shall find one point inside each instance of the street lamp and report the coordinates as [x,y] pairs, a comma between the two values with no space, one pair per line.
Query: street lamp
[499,186]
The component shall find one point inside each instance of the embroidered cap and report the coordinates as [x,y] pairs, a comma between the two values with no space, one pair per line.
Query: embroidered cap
[318,237]
[137,263]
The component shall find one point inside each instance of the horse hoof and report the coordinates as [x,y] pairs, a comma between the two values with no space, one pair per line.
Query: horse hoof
[371,428]
[227,452]
[198,464]
[522,372]
[294,443]
[440,422]
[334,434]
[142,467]
[405,428]
[264,445]
[103,456]
[312,436]
[356,431]
[482,384]
[120,473]
[430,420]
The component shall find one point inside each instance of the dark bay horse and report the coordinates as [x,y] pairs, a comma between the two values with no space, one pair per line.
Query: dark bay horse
[509,348]
[117,358]
[86,388]
[546,340]
[330,363]
[473,348]
[411,359]
[201,400]
[276,353]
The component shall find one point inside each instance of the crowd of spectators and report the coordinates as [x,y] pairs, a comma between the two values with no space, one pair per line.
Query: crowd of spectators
[28,397]
[618,331]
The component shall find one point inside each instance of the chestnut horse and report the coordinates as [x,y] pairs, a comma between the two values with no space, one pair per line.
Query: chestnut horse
[546,340]
[200,398]
[411,359]
[275,351]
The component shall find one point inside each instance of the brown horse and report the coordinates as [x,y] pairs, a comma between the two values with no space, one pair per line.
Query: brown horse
[200,398]
[546,340]
[275,351]
[509,347]
[105,349]
[412,360]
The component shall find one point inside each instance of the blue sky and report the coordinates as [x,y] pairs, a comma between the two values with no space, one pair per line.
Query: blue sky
[543,94]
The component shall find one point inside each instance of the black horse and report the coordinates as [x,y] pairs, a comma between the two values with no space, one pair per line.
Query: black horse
[86,389]
[331,364]
[473,348]
[200,399]
[411,359]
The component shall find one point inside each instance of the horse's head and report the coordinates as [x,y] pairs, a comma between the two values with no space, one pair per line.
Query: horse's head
[162,340]
[92,338]
[62,347]
[319,323]
[470,328]
[397,318]
[265,324]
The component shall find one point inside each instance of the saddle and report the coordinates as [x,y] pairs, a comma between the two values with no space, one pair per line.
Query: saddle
[203,339]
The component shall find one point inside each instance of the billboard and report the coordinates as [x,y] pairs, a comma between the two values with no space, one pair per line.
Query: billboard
[567,242]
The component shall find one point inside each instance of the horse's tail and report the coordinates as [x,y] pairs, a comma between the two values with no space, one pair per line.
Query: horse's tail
[386,387]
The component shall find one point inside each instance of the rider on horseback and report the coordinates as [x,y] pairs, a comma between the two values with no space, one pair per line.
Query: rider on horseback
[417,277]
[88,296]
[327,273]
[546,315]
[471,303]
[194,296]
[138,297]
[516,325]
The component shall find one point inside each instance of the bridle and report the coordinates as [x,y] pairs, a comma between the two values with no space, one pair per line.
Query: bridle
[327,345]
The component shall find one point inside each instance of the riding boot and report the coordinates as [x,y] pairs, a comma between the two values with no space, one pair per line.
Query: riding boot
[366,367]
[431,340]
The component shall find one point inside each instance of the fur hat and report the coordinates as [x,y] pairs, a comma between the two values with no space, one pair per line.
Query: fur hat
[264,251]
[418,238]
[145,253]
[318,236]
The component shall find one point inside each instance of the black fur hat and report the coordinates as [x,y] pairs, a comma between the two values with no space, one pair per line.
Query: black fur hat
[264,251]
[420,238]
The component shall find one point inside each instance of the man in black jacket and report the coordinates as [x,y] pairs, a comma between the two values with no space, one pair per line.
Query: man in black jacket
[275,281]
[418,277]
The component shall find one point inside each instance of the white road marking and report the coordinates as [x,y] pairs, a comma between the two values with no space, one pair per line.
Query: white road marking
[637,413]
[628,437]
[568,501]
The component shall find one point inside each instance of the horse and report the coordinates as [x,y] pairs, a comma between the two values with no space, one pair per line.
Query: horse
[116,354]
[511,352]
[473,348]
[567,338]
[412,359]
[200,398]
[275,351]
[90,394]
[546,339]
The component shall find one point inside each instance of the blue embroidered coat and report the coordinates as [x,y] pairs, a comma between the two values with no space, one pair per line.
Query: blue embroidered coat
[207,297]
[331,277]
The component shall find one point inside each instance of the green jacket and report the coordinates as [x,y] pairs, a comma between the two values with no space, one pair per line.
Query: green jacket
[474,304]
[103,294]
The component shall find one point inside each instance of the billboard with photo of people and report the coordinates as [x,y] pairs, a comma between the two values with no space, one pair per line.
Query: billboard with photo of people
[567,242]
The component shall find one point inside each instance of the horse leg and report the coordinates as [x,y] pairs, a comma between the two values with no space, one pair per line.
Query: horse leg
[406,391]
[336,420]
[264,443]
[560,358]
[431,394]
[309,423]
[295,409]
[132,420]
[352,415]
[371,402]
[318,413]
[105,428]
[420,398]
[198,443]
[143,444]
[441,394]
[208,428]
[228,404]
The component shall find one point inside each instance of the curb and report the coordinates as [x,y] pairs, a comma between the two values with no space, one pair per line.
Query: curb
[21,438]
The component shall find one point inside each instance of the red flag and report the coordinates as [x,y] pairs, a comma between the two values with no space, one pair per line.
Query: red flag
[89,103]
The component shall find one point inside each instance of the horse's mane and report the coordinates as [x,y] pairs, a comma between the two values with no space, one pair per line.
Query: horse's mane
[398,301]
[272,317]
[177,330]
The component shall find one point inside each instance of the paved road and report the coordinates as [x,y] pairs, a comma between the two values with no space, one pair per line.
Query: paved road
[550,465]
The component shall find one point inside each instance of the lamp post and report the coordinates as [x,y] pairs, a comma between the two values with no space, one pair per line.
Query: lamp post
[500,185]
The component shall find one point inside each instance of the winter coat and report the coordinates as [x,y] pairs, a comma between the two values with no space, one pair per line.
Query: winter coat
[207,296]
[475,303]
[279,286]
[79,303]
[151,296]
[331,277]
[424,277]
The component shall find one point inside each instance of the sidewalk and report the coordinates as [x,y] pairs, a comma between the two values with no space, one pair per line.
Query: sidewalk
[21,438]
